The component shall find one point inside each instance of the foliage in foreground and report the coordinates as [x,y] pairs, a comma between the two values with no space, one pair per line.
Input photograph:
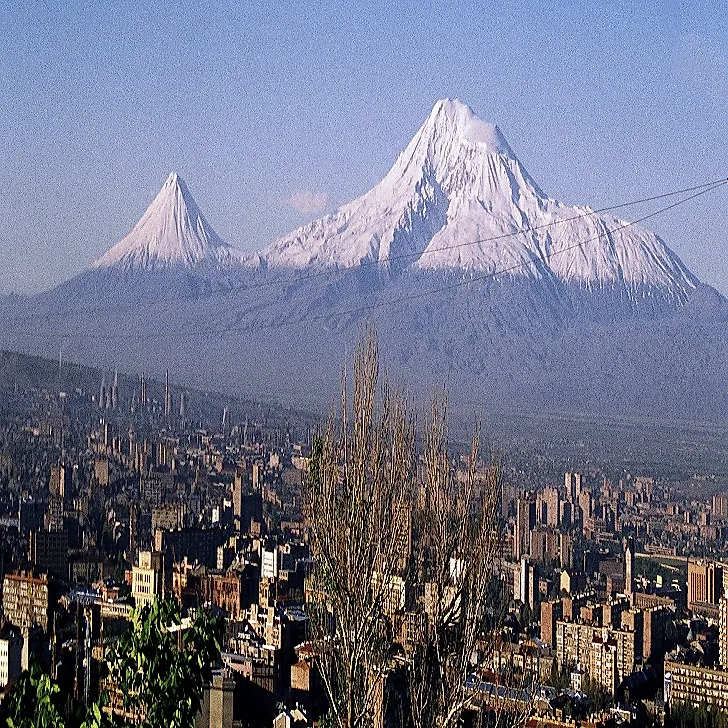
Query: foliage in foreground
[156,676]
[684,714]
[35,701]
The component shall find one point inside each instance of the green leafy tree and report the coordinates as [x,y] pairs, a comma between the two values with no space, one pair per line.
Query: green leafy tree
[599,697]
[156,676]
[686,715]
[158,670]
[35,701]
[559,677]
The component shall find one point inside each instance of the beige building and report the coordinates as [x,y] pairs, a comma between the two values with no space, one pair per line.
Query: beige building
[101,472]
[528,659]
[572,582]
[392,593]
[705,584]
[147,580]
[25,600]
[720,506]
[609,655]
[573,643]
[603,663]
[525,522]
[216,710]
[57,485]
[695,685]
[723,631]
[550,507]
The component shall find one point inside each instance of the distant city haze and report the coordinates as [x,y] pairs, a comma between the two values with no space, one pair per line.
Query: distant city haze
[275,114]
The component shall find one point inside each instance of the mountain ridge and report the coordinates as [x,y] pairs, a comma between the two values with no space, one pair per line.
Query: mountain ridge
[458,198]
[472,276]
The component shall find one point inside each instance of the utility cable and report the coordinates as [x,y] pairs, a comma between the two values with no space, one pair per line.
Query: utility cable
[291,280]
[389,302]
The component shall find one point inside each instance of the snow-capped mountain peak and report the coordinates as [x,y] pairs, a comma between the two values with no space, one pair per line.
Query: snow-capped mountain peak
[452,119]
[458,199]
[173,232]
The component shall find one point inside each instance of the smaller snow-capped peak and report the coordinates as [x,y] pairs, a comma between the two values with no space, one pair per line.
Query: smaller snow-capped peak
[173,232]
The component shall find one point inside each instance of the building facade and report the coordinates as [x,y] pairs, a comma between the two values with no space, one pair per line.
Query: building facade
[148,578]
[695,685]
[11,652]
[705,585]
[26,600]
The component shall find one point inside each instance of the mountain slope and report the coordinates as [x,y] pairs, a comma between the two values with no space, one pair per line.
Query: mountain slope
[173,232]
[473,277]
[458,199]
[171,253]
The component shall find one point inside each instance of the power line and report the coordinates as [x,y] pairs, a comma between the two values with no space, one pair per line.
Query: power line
[702,190]
[521,264]
[478,241]
[226,290]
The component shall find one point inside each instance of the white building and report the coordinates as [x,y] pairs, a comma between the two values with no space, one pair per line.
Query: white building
[269,563]
[11,651]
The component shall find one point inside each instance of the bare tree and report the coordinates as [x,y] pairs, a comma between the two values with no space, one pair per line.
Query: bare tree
[357,473]
[404,548]
[458,542]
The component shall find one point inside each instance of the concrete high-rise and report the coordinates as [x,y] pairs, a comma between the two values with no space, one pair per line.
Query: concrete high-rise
[572,487]
[566,550]
[402,534]
[525,523]
[58,483]
[705,584]
[217,706]
[167,395]
[551,498]
[26,600]
[237,497]
[11,650]
[723,631]
[148,578]
[528,583]
[115,391]
[551,612]
[585,503]
[629,567]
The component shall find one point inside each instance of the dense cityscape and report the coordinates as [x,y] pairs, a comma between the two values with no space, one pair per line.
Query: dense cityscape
[363,365]
[611,590]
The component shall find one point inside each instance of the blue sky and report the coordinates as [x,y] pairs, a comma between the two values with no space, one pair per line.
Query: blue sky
[265,107]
